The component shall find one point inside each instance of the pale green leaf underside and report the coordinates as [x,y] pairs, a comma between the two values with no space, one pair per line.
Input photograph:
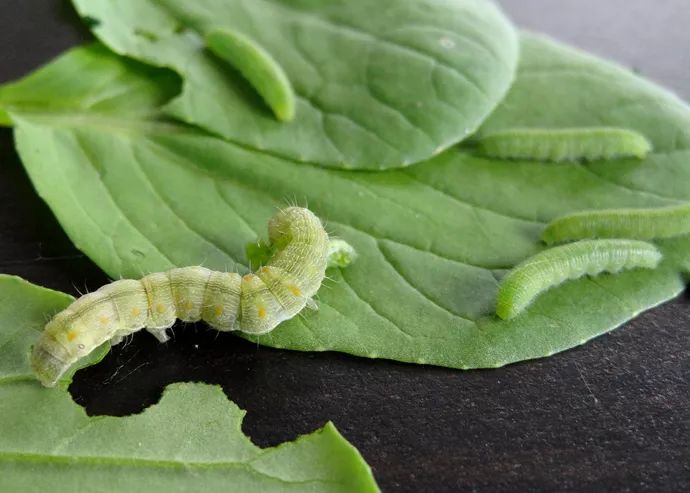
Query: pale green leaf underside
[190,441]
[433,239]
[378,84]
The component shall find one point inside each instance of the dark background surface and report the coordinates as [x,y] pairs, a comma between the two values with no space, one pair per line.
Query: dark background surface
[613,415]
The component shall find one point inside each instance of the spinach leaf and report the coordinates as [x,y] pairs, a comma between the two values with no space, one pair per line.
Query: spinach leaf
[434,239]
[379,84]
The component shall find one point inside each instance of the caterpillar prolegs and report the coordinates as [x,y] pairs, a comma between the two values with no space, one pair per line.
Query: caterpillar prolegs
[255,303]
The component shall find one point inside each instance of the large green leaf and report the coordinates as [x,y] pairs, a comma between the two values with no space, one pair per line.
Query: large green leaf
[190,441]
[433,239]
[379,84]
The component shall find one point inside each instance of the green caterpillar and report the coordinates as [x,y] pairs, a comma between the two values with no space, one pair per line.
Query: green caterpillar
[639,224]
[258,67]
[572,261]
[255,303]
[566,144]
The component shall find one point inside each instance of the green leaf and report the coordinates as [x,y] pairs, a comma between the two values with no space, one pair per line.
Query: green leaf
[190,440]
[90,81]
[20,327]
[433,239]
[377,86]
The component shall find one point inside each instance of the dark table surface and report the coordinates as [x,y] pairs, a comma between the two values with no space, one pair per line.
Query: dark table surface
[613,415]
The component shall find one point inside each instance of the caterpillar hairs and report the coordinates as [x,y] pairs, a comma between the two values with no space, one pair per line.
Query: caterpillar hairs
[255,303]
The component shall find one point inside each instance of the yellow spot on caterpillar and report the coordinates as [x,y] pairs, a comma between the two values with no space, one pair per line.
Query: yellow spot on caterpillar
[71,335]
[160,308]
[188,305]
[247,277]
[136,312]
[265,270]
[218,311]
[294,290]
[103,319]
[262,312]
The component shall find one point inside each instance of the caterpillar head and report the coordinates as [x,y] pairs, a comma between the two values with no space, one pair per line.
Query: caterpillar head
[59,347]
[291,221]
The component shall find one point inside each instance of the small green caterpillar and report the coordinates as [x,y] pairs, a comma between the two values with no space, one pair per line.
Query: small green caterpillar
[572,261]
[566,144]
[258,67]
[255,303]
[639,224]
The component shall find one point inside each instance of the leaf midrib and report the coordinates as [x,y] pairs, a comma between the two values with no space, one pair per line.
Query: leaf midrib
[122,124]
[148,463]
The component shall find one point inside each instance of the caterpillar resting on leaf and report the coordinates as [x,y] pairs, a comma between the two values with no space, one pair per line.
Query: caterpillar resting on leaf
[565,144]
[639,224]
[572,261]
[257,65]
[255,303]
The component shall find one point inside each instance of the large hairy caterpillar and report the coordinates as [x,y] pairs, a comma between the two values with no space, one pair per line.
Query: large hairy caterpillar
[258,67]
[640,224]
[556,265]
[566,144]
[255,303]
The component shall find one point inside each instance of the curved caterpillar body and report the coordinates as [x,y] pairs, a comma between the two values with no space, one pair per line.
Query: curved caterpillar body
[639,224]
[566,144]
[258,67]
[556,265]
[255,303]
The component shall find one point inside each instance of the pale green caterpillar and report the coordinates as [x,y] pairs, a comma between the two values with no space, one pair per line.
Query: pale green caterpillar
[255,303]
[566,144]
[572,261]
[639,224]
[258,67]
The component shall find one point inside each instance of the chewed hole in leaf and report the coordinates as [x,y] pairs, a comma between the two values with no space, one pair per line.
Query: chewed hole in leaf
[134,373]
[45,430]
[133,376]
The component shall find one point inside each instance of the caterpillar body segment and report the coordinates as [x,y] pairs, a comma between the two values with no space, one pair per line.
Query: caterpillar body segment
[639,224]
[255,303]
[556,265]
[565,144]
